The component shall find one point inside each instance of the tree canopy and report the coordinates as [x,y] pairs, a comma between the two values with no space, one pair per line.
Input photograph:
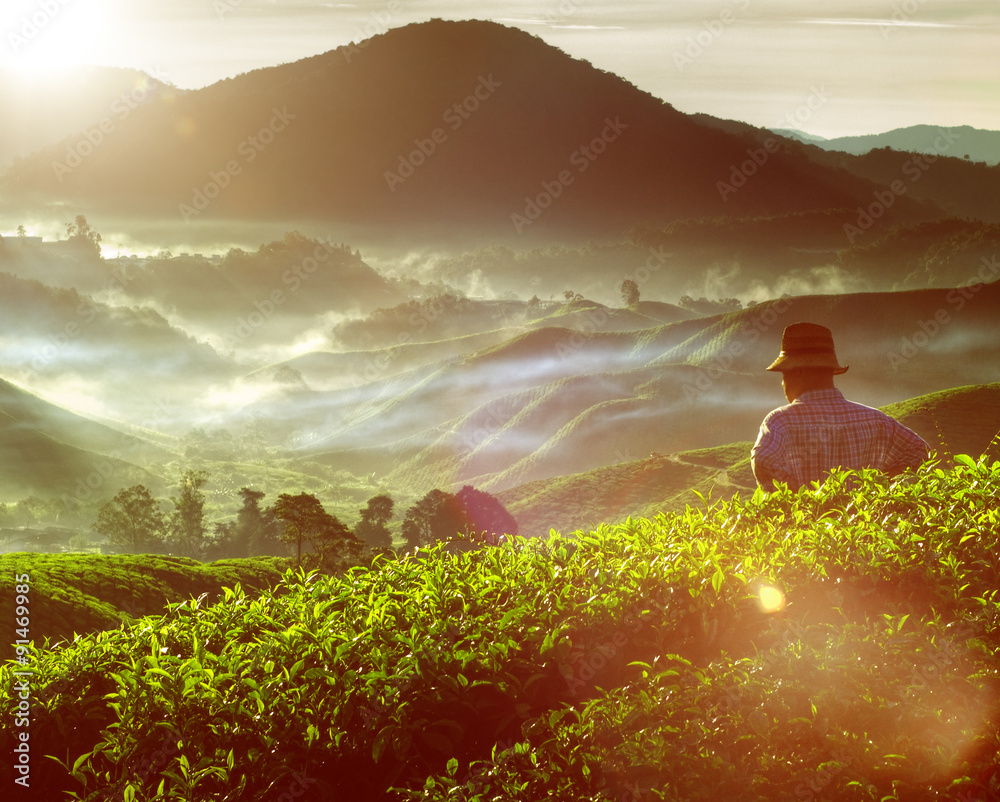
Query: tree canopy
[470,513]
[308,524]
[372,527]
[132,519]
[187,522]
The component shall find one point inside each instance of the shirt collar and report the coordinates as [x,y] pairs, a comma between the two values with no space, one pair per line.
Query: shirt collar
[823,394]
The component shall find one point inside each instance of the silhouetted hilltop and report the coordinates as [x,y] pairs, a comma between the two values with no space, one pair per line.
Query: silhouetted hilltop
[42,110]
[930,165]
[976,144]
[438,124]
[966,189]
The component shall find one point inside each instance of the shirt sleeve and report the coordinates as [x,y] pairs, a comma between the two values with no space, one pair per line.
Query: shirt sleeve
[907,450]
[765,456]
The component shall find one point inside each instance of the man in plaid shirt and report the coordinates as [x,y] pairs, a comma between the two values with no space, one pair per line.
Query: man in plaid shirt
[819,430]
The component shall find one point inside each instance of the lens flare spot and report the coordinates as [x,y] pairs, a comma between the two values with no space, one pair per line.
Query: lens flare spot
[772,600]
[185,126]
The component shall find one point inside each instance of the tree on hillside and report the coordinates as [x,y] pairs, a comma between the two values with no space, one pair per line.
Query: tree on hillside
[187,522]
[489,520]
[372,527]
[132,519]
[307,523]
[255,532]
[81,233]
[630,293]
[437,516]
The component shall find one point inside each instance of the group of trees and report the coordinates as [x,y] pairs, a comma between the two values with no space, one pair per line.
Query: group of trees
[473,513]
[134,521]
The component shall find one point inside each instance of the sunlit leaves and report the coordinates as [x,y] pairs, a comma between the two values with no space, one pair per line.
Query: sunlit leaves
[773,646]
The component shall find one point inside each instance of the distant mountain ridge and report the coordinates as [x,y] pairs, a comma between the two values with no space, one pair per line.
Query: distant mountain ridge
[40,112]
[979,145]
[439,126]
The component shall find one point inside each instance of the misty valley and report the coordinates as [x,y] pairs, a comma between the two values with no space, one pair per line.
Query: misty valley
[298,366]
[378,426]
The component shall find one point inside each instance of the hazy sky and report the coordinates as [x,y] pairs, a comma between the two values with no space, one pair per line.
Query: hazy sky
[843,67]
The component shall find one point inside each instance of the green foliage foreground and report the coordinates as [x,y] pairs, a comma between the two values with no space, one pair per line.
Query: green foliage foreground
[635,662]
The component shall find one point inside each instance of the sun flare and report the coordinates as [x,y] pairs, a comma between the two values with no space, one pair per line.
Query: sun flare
[771,599]
[48,42]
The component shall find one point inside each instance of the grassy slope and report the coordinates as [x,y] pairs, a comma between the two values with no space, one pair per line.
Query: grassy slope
[962,420]
[47,450]
[72,593]
[967,418]
[33,463]
[698,382]
[839,644]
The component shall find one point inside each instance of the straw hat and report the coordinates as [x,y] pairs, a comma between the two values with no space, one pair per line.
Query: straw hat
[807,345]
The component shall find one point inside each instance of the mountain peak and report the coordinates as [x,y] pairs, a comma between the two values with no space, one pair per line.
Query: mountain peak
[442,127]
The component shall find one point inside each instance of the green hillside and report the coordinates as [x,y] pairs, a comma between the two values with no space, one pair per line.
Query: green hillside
[837,644]
[28,410]
[33,463]
[556,400]
[577,501]
[962,420]
[80,594]
[635,488]
[48,451]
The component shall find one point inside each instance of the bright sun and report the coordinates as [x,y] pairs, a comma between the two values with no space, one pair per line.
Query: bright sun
[52,37]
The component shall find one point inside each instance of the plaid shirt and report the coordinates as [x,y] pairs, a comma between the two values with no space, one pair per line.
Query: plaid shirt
[821,430]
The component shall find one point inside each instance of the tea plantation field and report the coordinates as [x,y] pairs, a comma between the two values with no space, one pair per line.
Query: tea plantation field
[842,643]
[83,593]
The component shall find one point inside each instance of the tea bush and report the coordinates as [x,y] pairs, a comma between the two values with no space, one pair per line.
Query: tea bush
[836,643]
[82,593]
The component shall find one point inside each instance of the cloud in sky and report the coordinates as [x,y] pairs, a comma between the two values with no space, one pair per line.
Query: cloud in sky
[883,65]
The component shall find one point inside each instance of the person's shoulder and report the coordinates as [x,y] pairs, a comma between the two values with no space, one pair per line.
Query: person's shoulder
[865,409]
[875,416]
[778,414]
